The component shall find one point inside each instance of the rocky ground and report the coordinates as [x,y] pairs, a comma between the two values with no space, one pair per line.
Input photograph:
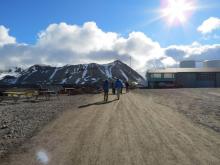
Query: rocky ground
[20,121]
[200,105]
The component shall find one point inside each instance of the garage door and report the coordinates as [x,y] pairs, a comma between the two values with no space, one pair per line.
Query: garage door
[205,80]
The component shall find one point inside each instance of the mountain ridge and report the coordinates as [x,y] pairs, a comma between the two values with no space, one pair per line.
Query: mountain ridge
[80,74]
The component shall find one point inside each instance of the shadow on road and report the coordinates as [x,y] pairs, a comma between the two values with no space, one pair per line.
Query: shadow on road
[97,103]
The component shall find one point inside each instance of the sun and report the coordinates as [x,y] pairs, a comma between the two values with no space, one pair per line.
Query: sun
[177,11]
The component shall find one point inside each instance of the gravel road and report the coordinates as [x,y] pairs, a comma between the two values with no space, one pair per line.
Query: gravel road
[138,129]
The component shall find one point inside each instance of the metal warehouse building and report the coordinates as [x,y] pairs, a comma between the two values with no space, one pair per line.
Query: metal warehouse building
[184,77]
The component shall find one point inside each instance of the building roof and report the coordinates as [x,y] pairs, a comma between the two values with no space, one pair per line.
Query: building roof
[184,70]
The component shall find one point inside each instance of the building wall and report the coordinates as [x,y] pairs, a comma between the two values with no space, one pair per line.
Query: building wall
[212,63]
[186,80]
[197,80]
[218,80]
[164,80]
[190,80]
[187,64]
[206,80]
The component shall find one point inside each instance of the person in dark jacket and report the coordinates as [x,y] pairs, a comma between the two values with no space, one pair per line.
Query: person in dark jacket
[122,87]
[127,86]
[113,88]
[106,90]
[118,87]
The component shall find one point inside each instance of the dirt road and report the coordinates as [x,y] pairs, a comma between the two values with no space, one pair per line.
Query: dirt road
[135,130]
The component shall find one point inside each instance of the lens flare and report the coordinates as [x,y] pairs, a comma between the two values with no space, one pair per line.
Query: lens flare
[177,11]
[42,157]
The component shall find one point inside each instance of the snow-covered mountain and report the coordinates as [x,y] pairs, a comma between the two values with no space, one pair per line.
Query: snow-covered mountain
[10,76]
[81,74]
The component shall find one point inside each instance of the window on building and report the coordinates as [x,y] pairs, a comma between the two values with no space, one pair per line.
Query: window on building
[156,75]
[168,75]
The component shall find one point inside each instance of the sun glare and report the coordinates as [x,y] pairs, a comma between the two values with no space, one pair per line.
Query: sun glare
[177,11]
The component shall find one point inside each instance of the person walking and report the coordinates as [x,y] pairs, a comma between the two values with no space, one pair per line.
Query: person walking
[113,88]
[127,86]
[106,89]
[118,87]
[122,87]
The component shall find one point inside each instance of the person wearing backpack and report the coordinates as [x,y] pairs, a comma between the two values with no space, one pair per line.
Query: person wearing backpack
[106,90]
[118,87]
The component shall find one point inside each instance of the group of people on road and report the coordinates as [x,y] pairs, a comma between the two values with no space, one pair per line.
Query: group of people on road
[117,88]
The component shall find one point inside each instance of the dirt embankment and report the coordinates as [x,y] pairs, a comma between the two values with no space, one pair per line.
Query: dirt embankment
[135,130]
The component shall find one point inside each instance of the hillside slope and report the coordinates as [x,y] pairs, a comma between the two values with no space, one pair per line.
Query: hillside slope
[81,74]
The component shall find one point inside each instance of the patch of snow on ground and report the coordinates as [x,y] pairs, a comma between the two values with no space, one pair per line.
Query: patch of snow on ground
[141,81]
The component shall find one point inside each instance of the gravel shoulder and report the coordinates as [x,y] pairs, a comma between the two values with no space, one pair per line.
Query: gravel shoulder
[22,120]
[202,106]
[137,129]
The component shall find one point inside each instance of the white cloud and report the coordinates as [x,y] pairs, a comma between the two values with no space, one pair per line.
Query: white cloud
[168,61]
[61,44]
[5,38]
[209,25]
[89,43]
[75,38]
[195,51]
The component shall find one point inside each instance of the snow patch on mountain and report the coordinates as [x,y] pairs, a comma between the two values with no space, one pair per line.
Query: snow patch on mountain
[77,81]
[101,70]
[53,74]
[13,73]
[108,71]
[64,81]
[67,71]
[85,71]
[30,74]
[125,76]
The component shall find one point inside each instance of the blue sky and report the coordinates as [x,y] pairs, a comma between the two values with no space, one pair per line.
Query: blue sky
[26,18]
[58,32]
